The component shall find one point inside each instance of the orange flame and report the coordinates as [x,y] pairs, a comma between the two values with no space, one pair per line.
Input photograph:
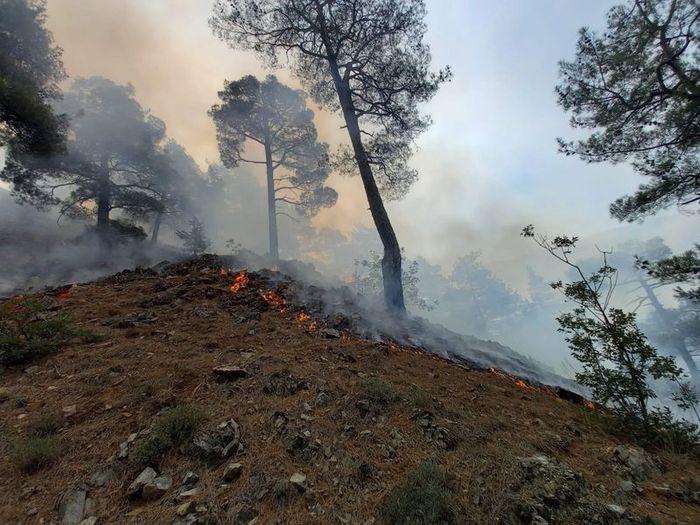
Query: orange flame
[64,294]
[302,317]
[522,384]
[240,281]
[272,298]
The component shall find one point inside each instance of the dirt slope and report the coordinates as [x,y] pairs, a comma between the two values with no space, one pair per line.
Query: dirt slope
[354,417]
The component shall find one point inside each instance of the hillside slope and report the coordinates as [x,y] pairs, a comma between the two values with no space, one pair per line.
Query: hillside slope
[316,426]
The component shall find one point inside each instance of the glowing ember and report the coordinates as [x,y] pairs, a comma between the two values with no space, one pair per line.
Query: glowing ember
[393,346]
[303,317]
[64,294]
[272,298]
[522,384]
[589,405]
[240,281]
[498,373]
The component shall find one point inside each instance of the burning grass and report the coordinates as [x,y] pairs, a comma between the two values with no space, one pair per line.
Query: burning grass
[240,281]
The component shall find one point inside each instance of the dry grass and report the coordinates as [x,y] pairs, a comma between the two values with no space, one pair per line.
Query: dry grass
[352,461]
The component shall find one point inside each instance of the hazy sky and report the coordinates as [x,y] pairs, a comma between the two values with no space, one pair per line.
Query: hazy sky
[488,165]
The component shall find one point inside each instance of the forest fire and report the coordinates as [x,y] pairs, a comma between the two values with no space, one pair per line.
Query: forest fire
[240,281]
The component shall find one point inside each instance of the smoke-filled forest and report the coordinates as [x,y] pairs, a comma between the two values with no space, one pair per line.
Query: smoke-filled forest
[476,211]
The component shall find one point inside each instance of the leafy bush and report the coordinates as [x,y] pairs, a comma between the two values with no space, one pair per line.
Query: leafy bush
[425,497]
[28,329]
[33,453]
[173,428]
[616,359]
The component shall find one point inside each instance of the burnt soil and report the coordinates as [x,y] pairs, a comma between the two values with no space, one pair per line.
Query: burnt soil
[163,334]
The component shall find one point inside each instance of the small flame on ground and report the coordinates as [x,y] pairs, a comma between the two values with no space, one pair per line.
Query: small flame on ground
[272,298]
[64,294]
[240,281]
[522,384]
[302,317]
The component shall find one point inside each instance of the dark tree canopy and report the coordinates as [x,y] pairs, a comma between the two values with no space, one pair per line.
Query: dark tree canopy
[366,60]
[30,68]
[275,117]
[636,86]
[112,159]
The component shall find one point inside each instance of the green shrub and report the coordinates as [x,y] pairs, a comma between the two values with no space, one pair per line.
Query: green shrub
[33,453]
[423,498]
[45,425]
[379,392]
[418,397]
[617,361]
[28,330]
[174,427]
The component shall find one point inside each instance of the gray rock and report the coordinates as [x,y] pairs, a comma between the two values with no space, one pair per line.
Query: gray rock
[640,465]
[147,475]
[229,372]
[190,493]
[190,479]
[232,471]
[72,506]
[331,333]
[102,477]
[157,488]
[222,442]
[299,481]
[185,509]
[123,450]
[616,510]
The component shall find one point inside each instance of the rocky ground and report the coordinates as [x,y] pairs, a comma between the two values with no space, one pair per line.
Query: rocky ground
[294,421]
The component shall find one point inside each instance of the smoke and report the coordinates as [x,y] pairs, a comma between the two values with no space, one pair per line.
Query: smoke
[488,166]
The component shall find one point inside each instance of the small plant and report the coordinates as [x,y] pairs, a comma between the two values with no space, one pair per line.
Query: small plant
[45,425]
[425,497]
[28,329]
[174,427]
[195,240]
[235,247]
[616,359]
[418,397]
[34,453]
[379,392]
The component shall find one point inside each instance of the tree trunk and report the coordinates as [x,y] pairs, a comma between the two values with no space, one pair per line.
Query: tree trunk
[156,228]
[104,199]
[678,342]
[271,204]
[391,262]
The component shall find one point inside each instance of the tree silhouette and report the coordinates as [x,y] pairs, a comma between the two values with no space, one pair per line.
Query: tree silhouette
[366,60]
[30,69]
[636,87]
[112,159]
[276,118]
